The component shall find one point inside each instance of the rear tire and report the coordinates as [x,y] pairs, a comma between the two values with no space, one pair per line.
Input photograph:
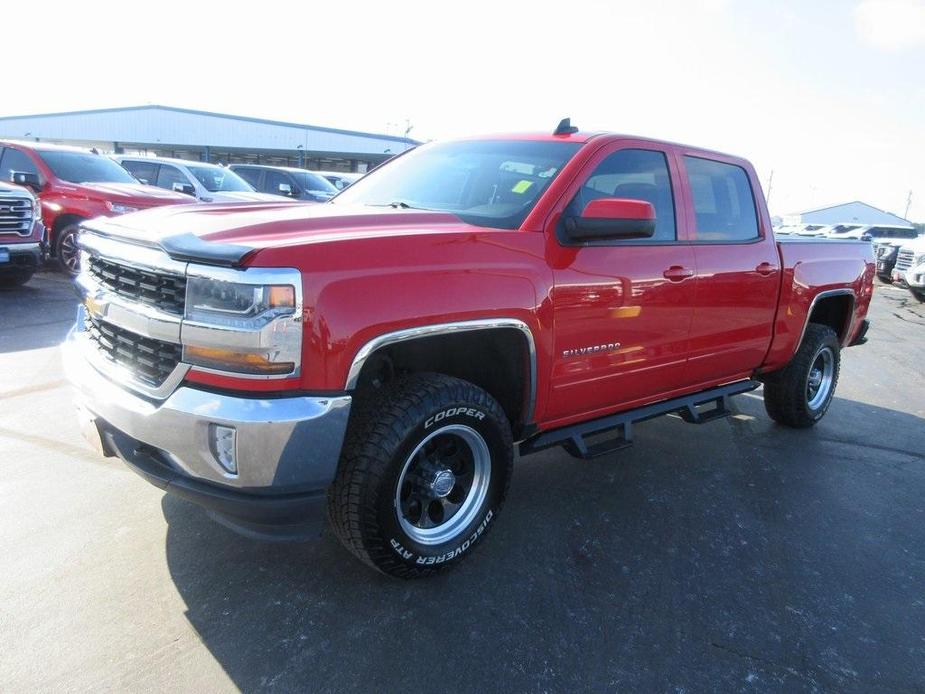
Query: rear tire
[919,294]
[799,395]
[424,471]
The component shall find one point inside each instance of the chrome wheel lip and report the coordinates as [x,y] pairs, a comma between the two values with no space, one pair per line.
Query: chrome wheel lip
[820,378]
[470,506]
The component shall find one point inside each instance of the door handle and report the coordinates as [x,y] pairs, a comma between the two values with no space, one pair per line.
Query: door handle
[765,269]
[676,273]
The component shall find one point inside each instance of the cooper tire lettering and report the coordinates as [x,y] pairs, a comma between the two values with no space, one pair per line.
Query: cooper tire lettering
[452,412]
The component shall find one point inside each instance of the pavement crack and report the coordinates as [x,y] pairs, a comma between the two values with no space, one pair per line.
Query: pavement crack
[767,662]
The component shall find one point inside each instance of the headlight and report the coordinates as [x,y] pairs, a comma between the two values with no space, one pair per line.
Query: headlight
[36,210]
[244,321]
[118,208]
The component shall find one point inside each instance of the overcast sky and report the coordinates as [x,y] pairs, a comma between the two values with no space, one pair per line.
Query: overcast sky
[829,94]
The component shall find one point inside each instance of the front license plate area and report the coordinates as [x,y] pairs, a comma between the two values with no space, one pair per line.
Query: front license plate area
[4,255]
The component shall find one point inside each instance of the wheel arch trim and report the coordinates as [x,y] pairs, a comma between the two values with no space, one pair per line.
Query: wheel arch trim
[424,331]
[827,294]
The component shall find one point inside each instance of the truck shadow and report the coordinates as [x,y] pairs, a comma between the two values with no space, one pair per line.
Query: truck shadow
[732,553]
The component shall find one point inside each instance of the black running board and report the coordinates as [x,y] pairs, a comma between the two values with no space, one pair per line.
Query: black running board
[574,438]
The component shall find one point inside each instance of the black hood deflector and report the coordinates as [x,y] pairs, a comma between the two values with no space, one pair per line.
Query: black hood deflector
[191,248]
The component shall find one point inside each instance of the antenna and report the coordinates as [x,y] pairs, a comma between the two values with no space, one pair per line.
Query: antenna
[565,127]
[908,205]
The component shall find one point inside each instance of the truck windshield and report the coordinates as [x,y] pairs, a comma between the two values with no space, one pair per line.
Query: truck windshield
[216,179]
[83,167]
[491,183]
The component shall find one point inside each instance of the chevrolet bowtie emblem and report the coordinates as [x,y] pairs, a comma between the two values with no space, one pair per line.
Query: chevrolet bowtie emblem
[95,307]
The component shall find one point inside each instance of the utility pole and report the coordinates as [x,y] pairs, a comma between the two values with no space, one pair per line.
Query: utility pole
[908,205]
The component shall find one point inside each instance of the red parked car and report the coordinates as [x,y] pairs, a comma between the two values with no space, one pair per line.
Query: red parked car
[380,358]
[74,185]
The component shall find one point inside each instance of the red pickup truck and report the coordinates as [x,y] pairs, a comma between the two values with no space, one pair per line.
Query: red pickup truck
[74,185]
[382,356]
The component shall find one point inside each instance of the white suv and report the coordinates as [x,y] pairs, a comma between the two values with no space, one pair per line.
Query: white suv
[205,182]
[910,267]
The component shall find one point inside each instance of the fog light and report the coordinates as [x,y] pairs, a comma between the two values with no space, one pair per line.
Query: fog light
[223,447]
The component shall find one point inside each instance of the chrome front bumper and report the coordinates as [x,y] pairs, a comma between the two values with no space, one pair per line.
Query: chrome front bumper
[283,445]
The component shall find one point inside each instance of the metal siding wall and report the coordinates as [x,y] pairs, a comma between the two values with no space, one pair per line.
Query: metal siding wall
[171,127]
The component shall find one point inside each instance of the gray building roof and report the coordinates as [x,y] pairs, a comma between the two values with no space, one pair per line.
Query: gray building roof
[856,212]
[167,125]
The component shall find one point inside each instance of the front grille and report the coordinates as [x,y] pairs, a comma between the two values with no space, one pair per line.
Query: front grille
[150,361]
[163,291]
[15,216]
[904,260]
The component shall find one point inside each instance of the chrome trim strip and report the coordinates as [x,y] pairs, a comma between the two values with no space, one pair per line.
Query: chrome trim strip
[127,253]
[377,343]
[119,374]
[137,317]
[823,295]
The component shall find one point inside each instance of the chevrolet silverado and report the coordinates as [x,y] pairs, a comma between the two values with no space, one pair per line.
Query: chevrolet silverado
[380,358]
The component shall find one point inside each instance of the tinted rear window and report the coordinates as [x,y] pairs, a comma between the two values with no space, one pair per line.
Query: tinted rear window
[723,202]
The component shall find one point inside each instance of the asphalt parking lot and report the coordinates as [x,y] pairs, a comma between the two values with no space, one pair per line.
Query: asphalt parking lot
[735,556]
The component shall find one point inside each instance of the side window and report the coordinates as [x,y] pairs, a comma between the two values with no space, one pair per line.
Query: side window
[252,176]
[723,202]
[170,175]
[14,160]
[637,174]
[144,171]
[275,179]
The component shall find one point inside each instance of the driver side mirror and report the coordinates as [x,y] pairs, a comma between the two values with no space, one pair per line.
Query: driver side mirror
[186,188]
[288,189]
[27,180]
[608,219]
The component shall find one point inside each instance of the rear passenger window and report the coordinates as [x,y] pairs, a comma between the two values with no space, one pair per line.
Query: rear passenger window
[252,176]
[144,171]
[723,201]
[171,178]
[636,174]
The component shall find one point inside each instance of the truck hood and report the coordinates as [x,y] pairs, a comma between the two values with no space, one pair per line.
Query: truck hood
[242,196]
[225,234]
[133,194]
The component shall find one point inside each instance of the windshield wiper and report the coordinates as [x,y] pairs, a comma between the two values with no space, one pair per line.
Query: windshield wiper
[398,205]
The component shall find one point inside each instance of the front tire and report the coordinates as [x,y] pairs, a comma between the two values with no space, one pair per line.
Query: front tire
[919,294]
[66,249]
[799,395]
[424,472]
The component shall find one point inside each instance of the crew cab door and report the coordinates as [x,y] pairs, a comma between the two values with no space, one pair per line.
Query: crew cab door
[738,269]
[622,308]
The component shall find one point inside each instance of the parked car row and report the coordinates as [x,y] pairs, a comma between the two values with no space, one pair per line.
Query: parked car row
[845,232]
[65,186]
